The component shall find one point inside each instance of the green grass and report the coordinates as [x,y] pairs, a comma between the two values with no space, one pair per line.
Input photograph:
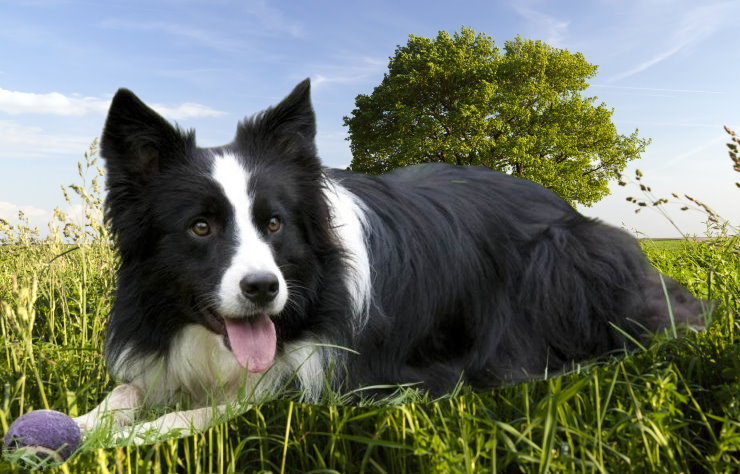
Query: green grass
[672,407]
[667,245]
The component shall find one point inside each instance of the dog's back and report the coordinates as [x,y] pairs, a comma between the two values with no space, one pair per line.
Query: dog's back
[483,277]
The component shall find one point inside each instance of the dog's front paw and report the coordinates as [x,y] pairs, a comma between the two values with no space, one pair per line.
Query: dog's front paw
[87,422]
[146,433]
[115,419]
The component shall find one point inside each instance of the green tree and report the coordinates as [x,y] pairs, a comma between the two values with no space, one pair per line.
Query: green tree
[457,99]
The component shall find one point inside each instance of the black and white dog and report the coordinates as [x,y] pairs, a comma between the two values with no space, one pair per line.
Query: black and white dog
[249,268]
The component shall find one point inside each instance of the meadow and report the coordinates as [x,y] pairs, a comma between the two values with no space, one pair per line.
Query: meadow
[671,406]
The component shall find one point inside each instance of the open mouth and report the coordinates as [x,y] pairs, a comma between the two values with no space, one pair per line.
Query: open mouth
[215,322]
[252,339]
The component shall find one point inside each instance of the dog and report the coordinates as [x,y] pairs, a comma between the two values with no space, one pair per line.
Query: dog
[250,269]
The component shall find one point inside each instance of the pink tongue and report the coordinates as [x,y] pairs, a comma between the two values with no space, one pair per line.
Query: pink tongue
[252,342]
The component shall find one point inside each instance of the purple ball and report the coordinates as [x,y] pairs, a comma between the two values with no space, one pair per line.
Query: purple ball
[46,435]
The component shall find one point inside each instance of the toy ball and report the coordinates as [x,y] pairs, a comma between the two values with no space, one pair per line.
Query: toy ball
[42,437]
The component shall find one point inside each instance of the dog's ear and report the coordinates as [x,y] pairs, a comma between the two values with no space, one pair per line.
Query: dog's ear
[291,123]
[294,114]
[137,142]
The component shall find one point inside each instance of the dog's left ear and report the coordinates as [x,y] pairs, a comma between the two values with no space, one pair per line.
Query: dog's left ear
[293,118]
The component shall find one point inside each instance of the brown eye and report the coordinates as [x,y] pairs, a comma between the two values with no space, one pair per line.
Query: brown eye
[274,224]
[200,228]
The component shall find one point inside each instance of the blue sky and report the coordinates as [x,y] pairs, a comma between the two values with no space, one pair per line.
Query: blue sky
[668,67]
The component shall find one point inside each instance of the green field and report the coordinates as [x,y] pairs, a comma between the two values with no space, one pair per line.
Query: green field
[671,407]
[668,245]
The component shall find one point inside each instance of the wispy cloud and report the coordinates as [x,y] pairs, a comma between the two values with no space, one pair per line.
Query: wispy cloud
[22,141]
[254,18]
[662,56]
[550,29]
[43,219]
[349,70]
[272,20]
[693,26]
[205,38]
[9,211]
[55,103]
[699,150]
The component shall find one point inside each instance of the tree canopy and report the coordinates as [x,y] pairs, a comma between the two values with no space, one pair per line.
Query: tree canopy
[458,99]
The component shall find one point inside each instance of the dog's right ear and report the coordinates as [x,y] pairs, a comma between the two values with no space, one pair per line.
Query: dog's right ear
[137,142]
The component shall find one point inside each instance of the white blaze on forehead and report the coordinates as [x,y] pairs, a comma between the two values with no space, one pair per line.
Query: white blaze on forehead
[252,254]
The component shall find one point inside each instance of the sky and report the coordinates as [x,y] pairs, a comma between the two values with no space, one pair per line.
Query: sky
[667,67]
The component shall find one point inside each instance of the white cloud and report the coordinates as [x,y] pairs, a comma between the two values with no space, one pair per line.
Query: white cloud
[187,110]
[9,211]
[54,103]
[75,213]
[21,141]
[42,219]
[320,79]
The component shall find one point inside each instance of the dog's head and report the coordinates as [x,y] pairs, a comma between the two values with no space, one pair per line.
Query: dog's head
[225,237]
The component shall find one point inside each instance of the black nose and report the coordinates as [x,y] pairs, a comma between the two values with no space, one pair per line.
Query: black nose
[260,288]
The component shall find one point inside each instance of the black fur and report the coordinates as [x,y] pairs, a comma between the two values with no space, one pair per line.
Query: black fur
[476,275]
[494,277]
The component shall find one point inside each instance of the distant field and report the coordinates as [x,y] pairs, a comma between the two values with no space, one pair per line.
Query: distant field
[669,245]
[675,245]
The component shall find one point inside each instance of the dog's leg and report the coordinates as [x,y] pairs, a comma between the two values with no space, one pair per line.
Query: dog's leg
[172,424]
[121,405]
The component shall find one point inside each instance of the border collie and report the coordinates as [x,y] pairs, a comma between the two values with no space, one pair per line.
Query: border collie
[248,269]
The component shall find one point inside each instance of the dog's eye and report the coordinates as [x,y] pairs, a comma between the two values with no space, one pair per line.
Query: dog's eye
[200,228]
[274,224]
